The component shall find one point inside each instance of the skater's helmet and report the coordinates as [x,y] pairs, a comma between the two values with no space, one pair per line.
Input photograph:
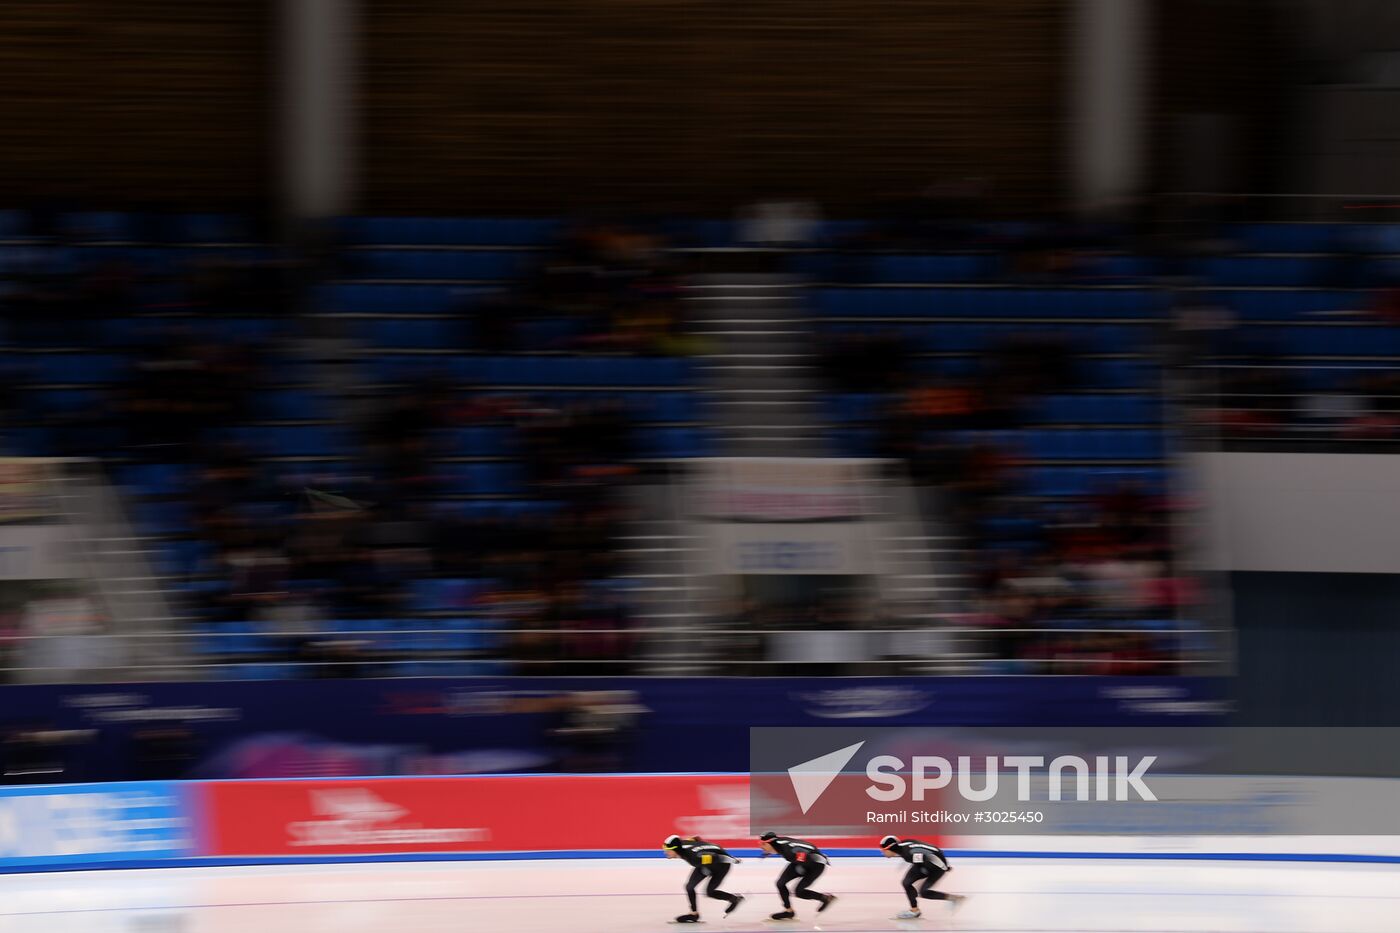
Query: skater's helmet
[672,842]
[768,836]
[888,841]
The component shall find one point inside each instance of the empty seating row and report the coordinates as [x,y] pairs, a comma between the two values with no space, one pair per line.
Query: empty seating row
[535,370]
[118,226]
[857,407]
[449,231]
[641,406]
[481,479]
[1278,271]
[1283,305]
[988,302]
[1099,373]
[967,267]
[407,333]
[88,369]
[272,405]
[490,265]
[1092,445]
[1314,237]
[1098,409]
[967,338]
[504,478]
[488,231]
[958,267]
[384,298]
[361,298]
[153,479]
[1046,444]
[1329,340]
[448,594]
[1067,481]
[136,331]
[675,443]
[69,368]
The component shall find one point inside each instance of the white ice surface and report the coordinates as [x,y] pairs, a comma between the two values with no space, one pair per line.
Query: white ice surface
[640,895]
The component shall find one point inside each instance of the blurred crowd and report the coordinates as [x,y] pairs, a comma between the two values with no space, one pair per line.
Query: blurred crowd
[286,545]
[1081,562]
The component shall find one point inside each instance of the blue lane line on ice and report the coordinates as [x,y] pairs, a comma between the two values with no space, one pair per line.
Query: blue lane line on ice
[231,862]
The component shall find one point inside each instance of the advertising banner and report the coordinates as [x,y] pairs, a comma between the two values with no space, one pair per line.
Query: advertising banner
[74,825]
[498,814]
[783,489]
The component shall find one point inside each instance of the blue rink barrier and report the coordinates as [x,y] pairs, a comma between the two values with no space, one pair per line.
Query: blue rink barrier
[171,824]
[128,864]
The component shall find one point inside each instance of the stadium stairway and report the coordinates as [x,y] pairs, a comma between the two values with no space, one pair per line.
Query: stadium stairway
[662,553]
[758,369]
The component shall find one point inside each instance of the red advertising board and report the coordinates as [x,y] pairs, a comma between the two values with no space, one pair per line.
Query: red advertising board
[502,814]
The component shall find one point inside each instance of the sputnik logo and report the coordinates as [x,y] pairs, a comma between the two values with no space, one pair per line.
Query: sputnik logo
[811,778]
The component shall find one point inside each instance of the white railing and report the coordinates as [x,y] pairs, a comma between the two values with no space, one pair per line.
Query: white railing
[955,648]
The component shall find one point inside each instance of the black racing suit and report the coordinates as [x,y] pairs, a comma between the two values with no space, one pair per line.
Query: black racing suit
[805,861]
[927,863]
[706,860]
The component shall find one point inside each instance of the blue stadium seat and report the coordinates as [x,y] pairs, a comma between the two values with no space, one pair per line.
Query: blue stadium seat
[293,405]
[13,224]
[154,479]
[1275,305]
[484,479]
[435,231]
[311,440]
[1290,238]
[855,407]
[674,442]
[68,401]
[665,406]
[78,368]
[550,333]
[477,442]
[26,441]
[1116,374]
[392,299]
[855,442]
[212,228]
[960,268]
[1260,270]
[162,517]
[447,595]
[181,557]
[1121,267]
[445,264]
[409,333]
[96,225]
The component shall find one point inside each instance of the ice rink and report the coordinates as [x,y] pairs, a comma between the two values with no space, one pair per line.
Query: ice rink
[641,895]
